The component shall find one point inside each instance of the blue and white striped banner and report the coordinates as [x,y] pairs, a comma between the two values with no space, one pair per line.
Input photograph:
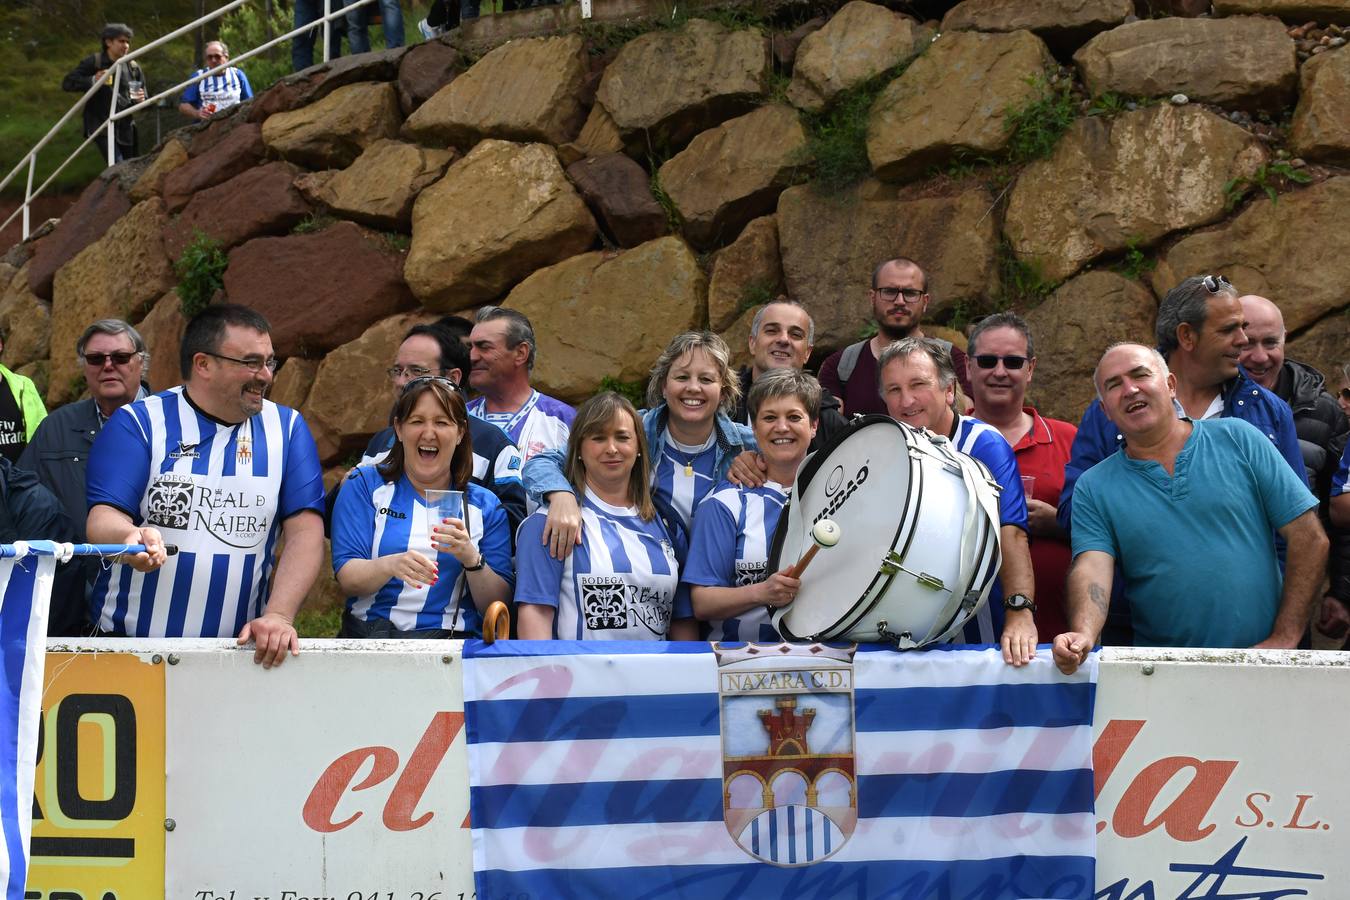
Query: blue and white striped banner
[596,770]
[25,591]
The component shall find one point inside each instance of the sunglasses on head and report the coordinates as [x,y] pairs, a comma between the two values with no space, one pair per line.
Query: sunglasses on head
[120,358]
[1217,284]
[425,379]
[990,360]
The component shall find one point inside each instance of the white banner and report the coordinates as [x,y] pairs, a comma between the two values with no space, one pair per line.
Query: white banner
[343,773]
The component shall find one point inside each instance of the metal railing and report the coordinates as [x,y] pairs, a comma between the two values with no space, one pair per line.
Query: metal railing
[115,115]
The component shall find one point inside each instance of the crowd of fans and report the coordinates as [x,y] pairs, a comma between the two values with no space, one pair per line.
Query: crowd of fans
[1177,513]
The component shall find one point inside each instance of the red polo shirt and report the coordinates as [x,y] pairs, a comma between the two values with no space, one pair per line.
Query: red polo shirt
[1043,452]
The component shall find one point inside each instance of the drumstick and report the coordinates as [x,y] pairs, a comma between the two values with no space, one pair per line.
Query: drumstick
[824,533]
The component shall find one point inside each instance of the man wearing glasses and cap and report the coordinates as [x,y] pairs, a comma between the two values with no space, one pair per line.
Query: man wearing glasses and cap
[203,99]
[221,473]
[113,357]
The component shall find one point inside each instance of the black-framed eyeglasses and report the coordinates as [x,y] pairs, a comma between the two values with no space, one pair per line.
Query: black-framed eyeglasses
[990,360]
[119,358]
[1217,284]
[426,379]
[397,372]
[911,295]
[252,363]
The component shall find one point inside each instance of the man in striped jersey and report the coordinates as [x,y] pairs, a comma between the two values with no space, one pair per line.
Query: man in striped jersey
[220,472]
[205,98]
[917,381]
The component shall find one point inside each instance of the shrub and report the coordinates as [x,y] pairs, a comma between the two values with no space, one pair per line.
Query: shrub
[201,271]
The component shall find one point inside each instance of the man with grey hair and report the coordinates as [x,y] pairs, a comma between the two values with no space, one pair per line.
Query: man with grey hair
[917,380]
[213,93]
[1200,335]
[782,334]
[113,358]
[501,357]
[1185,509]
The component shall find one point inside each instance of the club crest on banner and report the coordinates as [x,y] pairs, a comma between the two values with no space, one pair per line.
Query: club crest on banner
[789,781]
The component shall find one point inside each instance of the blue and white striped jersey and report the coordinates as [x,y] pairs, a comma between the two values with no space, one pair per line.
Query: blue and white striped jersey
[733,531]
[375,518]
[622,583]
[1340,482]
[218,491]
[541,423]
[987,444]
[683,475]
[220,91]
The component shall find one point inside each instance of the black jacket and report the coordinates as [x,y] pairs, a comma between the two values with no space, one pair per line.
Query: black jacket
[831,421]
[28,511]
[81,78]
[1322,432]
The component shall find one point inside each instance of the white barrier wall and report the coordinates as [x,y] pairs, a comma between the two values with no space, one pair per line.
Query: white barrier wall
[179,768]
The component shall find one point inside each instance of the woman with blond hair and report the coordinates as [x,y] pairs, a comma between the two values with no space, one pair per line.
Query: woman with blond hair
[623,580]
[693,441]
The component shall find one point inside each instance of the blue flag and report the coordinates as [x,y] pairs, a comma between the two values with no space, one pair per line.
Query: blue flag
[25,591]
[644,770]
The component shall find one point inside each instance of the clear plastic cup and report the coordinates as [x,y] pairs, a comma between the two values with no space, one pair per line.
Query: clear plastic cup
[442,505]
[1028,485]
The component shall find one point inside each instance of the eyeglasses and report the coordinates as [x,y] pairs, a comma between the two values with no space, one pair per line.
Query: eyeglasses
[1345,393]
[98,360]
[989,361]
[911,295]
[426,379]
[252,363]
[397,372]
[1217,284]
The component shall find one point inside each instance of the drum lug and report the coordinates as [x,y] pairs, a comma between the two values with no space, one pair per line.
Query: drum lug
[930,581]
[903,641]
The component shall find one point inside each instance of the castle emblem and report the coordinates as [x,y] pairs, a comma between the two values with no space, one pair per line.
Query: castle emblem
[789,781]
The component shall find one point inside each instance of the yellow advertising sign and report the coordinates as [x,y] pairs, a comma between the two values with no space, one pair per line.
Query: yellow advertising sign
[98,805]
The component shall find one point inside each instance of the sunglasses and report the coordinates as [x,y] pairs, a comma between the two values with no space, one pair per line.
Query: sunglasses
[425,379]
[120,358]
[989,361]
[1217,284]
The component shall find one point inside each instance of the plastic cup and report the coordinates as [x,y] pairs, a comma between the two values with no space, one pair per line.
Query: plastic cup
[136,90]
[443,505]
[1028,485]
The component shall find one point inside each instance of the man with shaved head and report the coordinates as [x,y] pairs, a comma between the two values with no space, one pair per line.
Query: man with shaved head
[1321,428]
[1185,508]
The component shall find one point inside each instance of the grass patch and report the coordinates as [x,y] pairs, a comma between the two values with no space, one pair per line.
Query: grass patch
[836,138]
[312,224]
[1035,127]
[756,293]
[396,241]
[1023,284]
[673,218]
[1271,178]
[1136,264]
[635,391]
[201,271]
[319,623]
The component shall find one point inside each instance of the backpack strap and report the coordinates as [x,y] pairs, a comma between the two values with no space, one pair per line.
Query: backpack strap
[848,360]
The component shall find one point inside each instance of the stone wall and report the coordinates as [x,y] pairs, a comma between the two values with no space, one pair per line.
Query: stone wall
[619,186]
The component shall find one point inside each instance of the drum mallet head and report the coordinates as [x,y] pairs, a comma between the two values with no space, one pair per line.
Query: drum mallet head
[824,533]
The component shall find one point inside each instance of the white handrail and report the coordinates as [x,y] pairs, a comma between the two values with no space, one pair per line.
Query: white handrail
[30,159]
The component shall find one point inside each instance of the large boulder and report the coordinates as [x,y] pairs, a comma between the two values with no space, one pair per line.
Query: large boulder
[1073,326]
[830,244]
[599,135]
[118,276]
[1296,251]
[293,382]
[619,192]
[162,329]
[102,203]
[25,322]
[1062,24]
[1158,57]
[351,398]
[333,132]
[426,68]
[1115,182]
[313,84]
[240,151]
[745,274]
[1321,128]
[607,313]
[737,336]
[1322,346]
[953,99]
[859,42]
[173,154]
[730,174]
[351,276]
[499,213]
[525,90]
[1290,10]
[664,87]
[260,201]
[379,188]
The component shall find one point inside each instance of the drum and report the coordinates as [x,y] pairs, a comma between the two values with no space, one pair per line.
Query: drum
[918,549]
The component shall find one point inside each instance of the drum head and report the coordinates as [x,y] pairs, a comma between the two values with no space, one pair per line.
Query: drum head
[861,481]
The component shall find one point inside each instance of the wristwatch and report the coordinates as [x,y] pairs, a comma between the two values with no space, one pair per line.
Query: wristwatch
[476,566]
[1019,601]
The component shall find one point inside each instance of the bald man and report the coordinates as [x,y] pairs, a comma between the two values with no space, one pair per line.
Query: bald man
[1322,431]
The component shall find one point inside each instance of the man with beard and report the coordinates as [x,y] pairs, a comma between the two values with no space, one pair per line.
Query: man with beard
[220,472]
[899,297]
